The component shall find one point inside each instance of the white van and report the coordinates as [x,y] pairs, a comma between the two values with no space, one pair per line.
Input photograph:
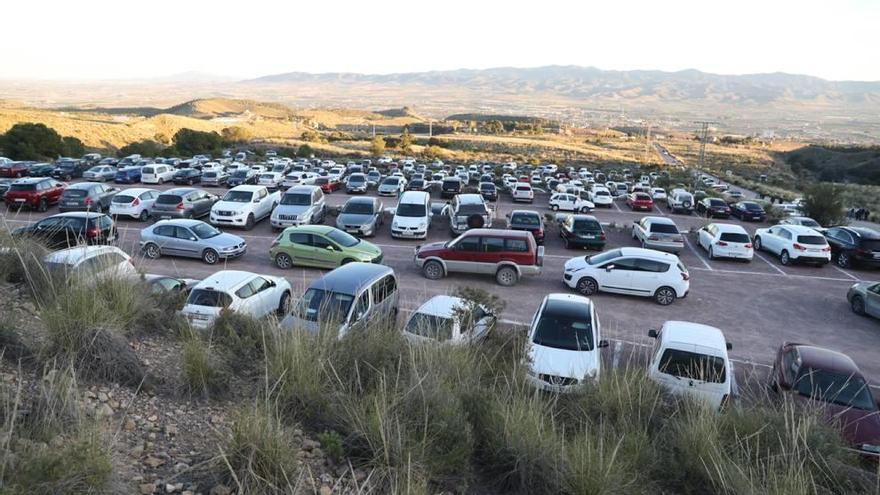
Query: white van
[157,174]
[691,359]
[412,217]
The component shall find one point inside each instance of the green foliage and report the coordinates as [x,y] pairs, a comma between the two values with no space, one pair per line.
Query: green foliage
[406,141]
[823,202]
[203,373]
[240,338]
[377,146]
[837,163]
[431,152]
[236,135]
[73,146]
[144,148]
[331,442]
[29,141]
[339,136]
[190,142]
[305,151]
[432,141]
[312,136]
[493,127]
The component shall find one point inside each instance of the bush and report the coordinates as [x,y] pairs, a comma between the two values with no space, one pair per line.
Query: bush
[203,373]
[823,202]
[312,136]
[144,148]
[188,142]
[236,135]
[377,146]
[28,141]
[240,338]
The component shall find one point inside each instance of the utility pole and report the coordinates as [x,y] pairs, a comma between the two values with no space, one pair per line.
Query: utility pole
[704,137]
[430,128]
[647,141]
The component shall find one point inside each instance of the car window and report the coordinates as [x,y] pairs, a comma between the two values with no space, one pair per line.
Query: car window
[812,239]
[789,366]
[301,238]
[183,233]
[321,242]
[735,237]
[624,264]
[516,245]
[245,291]
[845,237]
[259,284]
[493,244]
[164,230]
[874,288]
[469,243]
[646,265]
[361,307]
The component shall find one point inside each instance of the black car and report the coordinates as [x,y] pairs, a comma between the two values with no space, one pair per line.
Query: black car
[187,176]
[450,187]
[713,208]
[68,169]
[41,170]
[748,210]
[241,176]
[529,220]
[488,191]
[416,185]
[69,229]
[579,231]
[854,246]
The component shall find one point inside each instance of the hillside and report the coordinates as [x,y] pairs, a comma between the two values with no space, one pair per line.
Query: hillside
[850,164]
[226,107]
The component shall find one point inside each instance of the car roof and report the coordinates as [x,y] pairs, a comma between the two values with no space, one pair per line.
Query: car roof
[181,222]
[525,212]
[225,280]
[83,214]
[248,188]
[826,359]
[440,305]
[413,197]
[74,254]
[179,191]
[301,189]
[30,180]
[648,253]
[569,305]
[798,229]
[470,199]
[664,220]
[351,277]
[685,332]
[82,185]
[362,199]
[730,227]
[499,232]
[864,232]
[315,229]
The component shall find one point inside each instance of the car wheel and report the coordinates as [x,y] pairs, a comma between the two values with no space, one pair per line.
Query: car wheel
[587,286]
[664,296]
[858,305]
[585,210]
[283,261]
[843,260]
[144,216]
[506,276]
[757,243]
[249,223]
[554,207]
[43,206]
[284,304]
[152,251]
[784,258]
[433,270]
[210,256]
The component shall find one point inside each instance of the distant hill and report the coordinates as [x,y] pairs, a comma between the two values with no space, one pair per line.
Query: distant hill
[225,107]
[850,164]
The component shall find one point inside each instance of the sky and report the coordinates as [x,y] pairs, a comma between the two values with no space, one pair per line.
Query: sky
[135,39]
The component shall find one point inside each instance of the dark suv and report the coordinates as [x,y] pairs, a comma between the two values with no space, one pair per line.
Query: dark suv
[450,187]
[579,231]
[854,246]
[68,169]
[87,196]
[35,192]
[528,220]
[69,229]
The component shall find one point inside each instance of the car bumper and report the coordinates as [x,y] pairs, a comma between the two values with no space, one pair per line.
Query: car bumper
[588,243]
[550,387]
[669,247]
[352,190]
[409,234]
[233,253]
[816,258]
[365,230]
[162,215]
[283,224]
[867,260]
[239,220]
[67,208]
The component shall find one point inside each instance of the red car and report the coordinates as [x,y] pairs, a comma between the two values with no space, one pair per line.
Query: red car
[524,178]
[640,201]
[15,169]
[328,184]
[815,374]
[34,192]
[506,254]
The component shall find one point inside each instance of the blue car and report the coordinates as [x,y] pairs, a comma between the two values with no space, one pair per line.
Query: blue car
[128,175]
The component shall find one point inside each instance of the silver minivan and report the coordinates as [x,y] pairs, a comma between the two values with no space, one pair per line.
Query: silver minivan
[352,297]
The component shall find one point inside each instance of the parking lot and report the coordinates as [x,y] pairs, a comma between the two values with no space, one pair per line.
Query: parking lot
[758,305]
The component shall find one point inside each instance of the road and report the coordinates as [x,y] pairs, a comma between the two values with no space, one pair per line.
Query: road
[758,305]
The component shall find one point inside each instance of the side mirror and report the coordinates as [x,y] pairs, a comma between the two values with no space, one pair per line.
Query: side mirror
[329,248]
[193,239]
[652,333]
[729,346]
[603,343]
[609,268]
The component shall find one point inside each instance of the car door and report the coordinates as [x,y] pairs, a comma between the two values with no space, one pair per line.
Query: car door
[300,248]
[360,314]
[647,277]
[705,237]
[265,301]
[186,242]
[164,236]
[770,241]
[616,275]
[326,252]
[52,232]
[465,255]
[872,301]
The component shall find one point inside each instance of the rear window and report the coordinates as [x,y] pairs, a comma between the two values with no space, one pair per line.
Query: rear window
[431,326]
[149,170]
[811,239]
[693,366]
[588,225]
[22,187]
[734,237]
[642,197]
[526,219]
[209,298]
[523,188]
[664,228]
[75,193]
[168,199]
[717,202]
[122,198]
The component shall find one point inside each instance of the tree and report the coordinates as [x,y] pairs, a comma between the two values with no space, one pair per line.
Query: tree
[305,151]
[191,142]
[143,148]
[73,146]
[493,127]
[31,142]
[823,202]
[236,134]
[377,146]
[406,141]
[311,136]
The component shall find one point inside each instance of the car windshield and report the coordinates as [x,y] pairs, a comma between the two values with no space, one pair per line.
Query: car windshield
[22,187]
[431,326]
[331,306]
[240,174]
[238,196]
[836,388]
[487,187]
[357,179]
[523,188]
[817,240]
[411,210]
[205,231]
[101,169]
[471,209]
[693,366]
[168,199]
[735,237]
[717,202]
[601,192]
[209,298]
[296,199]
[358,208]
[391,181]
[600,258]
[664,228]
[564,331]
[523,219]
[343,239]
[587,225]
[267,177]
[210,175]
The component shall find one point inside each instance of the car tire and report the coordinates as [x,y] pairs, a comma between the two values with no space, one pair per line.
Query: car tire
[784,258]
[843,260]
[554,207]
[249,223]
[757,243]
[433,270]
[43,206]
[152,251]
[587,286]
[506,276]
[585,210]
[210,257]
[283,304]
[664,296]
[144,216]
[283,261]
[857,304]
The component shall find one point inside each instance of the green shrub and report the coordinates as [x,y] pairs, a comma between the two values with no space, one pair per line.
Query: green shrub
[240,338]
[331,442]
[203,372]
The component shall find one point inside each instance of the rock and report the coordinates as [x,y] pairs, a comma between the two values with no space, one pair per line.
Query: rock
[309,444]
[171,430]
[102,396]
[129,425]
[360,475]
[151,436]
[147,488]
[90,395]
[137,451]
[188,492]
[180,466]
[152,418]
[104,411]
[154,462]
[325,490]
[220,490]
[173,488]
[114,403]
[215,419]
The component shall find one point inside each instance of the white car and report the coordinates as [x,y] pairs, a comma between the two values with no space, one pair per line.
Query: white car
[383,160]
[562,350]
[336,172]
[536,179]
[509,166]
[509,182]
[244,206]
[412,217]
[570,202]
[658,233]
[691,359]
[271,180]
[793,244]
[157,173]
[91,263]
[725,240]
[135,202]
[246,293]
[299,179]
[803,221]
[631,271]
[601,196]
[449,319]
[658,194]
[523,191]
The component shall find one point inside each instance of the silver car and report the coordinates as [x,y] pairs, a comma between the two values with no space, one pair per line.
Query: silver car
[300,205]
[360,216]
[190,239]
[183,202]
[864,298]
[101,173]
[391,186]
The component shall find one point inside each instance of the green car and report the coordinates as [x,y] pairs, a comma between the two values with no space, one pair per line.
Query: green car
[321,246]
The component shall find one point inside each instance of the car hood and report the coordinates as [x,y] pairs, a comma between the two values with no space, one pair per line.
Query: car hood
[576,263]
[354,218]
[408,221]
[562,362]
[230,205]
[432,247]
[857,426]
[291,209]
[364,248]
[224,240]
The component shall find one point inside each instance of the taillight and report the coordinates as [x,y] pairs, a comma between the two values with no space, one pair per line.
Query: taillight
[93,232]
[180,206]
[88,200]
[653,238]
[799,247]
[721,243]
[539,232]
[826,249]
[749,246]
[135,202]
[602,236]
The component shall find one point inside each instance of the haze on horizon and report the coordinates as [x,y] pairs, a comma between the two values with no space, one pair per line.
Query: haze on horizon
[128,40]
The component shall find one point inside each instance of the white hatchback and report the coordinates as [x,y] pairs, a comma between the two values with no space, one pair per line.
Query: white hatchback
[247,293]
[794,243]
[523,191]
[136,202]
[90,264]
[724,240]
[570,202]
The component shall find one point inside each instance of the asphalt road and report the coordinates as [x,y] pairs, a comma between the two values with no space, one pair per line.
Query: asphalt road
[757,305]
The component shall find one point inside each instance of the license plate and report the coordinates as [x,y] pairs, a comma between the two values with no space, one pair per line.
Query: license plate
[71,203]
[407,233]
[19,200]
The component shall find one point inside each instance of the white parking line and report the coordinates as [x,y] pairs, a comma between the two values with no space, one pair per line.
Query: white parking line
[765,260]
[847,274]
[694,250]
[617,206]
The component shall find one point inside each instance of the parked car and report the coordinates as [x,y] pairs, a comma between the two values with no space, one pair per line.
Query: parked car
[128,175]
[631,271]
[570,202]
[299,179]
[328,184]
[299,205]
[793,244]
[69,229]
[67,169]
[523,192]
[187,176]
[832,380]
[90,264]
[724,240]
[529,221]
[135,202]
[215,178]
[272,180]
[582,231]
[244,206]
[190,239]
[506,254]
[320,246]
[15,170]
[242,177]
[87,196]
[864,298]
[691,359]
[450,186]
[158,173]
[562,348]
[33,192]
[748,210]
[658,233]
[347,299]
[468,211]
[601,196]
[449,319]
[640,201]
[412,217]
[360,216]
[241,292]
[183,202]
[392,186]
[680,201]
[101,173]
[658,194]
[802,221]
[850,246]
[41,170]
[713,208]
